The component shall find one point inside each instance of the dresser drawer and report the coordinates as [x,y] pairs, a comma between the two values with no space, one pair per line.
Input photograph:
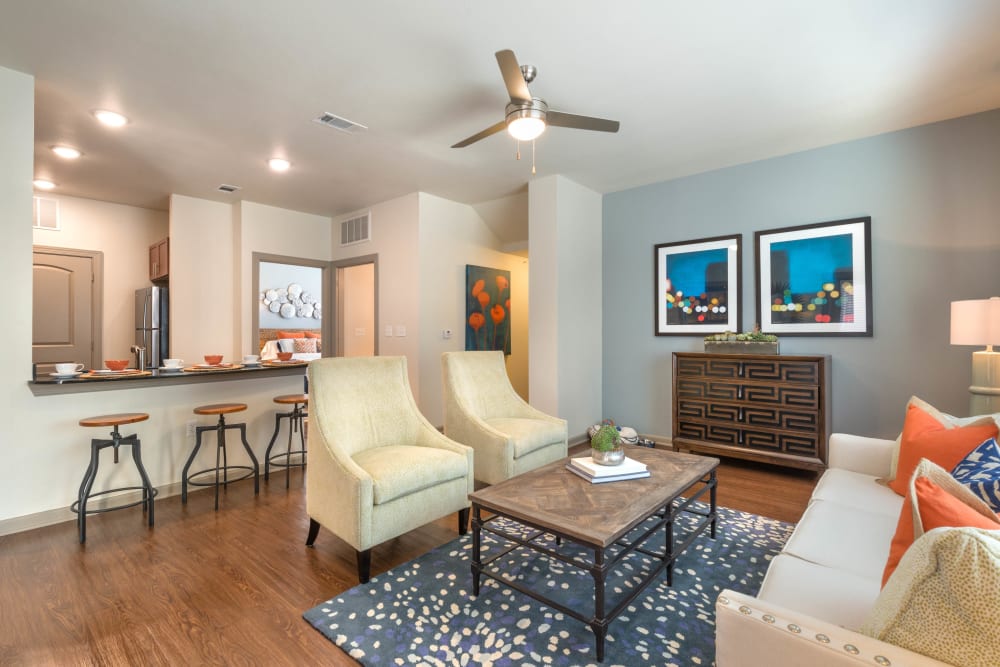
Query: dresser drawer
[763,368]
[792,396]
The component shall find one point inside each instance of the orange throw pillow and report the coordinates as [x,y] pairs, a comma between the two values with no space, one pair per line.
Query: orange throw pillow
[924,437]
[938,509]
[292,334]
[310,334]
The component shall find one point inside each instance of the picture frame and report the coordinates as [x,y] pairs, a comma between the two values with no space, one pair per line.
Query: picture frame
[487,309]
[815,280]
[696,286]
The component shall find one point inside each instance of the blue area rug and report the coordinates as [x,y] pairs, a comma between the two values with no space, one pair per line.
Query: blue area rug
[423,612]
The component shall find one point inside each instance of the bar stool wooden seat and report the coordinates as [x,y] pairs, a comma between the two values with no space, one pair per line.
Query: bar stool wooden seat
[96,445]
[222,467]
[296,422]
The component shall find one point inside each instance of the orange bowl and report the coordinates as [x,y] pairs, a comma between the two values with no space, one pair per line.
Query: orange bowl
[116,364]
[213,359]
[284,356]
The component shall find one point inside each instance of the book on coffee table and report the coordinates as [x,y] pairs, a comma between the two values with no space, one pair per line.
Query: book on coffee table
[596,473]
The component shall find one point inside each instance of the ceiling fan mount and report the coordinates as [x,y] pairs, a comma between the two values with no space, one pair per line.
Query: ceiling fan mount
[526,117]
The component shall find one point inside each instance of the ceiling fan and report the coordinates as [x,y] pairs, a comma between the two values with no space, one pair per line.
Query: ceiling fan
[526,117]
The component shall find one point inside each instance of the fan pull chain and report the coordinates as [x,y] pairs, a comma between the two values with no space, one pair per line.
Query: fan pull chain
[518,143]
[532,157]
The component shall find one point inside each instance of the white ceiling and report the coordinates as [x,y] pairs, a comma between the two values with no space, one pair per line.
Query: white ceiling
[215,87]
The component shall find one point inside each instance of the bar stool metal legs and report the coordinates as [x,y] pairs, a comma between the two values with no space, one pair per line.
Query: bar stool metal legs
[115,440]
[296,422]
[222,469]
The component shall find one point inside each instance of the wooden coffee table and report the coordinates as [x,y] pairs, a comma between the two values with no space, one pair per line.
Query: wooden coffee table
[552,500]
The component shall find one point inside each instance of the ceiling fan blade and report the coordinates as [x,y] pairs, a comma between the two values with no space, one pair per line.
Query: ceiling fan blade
[512,77]
[560,119]
[493,129]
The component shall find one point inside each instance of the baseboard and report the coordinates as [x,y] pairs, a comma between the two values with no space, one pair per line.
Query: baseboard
[19,524]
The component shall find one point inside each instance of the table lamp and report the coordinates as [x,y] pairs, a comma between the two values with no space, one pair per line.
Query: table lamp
[977,322]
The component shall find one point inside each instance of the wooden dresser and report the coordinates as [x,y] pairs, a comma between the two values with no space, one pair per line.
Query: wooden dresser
[769,408]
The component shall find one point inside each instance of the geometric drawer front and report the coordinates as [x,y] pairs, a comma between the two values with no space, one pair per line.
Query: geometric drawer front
[722,434]
[688,409]
[689,387]
[793,396]
[777,418]
[806,372]
[708,367]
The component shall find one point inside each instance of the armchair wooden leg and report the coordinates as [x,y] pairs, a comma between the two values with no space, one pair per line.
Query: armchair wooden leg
[463,521]
[364,565]
[313,532]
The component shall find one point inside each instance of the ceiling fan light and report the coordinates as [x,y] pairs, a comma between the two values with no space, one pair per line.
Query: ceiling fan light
[525,128]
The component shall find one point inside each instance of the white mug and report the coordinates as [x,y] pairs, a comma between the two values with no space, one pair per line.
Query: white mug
[250,358]
[68,368]
[173,363]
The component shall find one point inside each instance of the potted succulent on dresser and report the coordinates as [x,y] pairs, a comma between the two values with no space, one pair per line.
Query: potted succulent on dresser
[606,446]
[754,342]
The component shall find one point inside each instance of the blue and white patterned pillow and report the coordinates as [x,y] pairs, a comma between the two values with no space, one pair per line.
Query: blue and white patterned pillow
[980,471]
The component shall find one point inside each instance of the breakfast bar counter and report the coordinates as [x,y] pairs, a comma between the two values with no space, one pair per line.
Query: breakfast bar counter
[45,385]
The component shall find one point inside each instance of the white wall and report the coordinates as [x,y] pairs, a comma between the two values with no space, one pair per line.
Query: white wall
[451,236]
[276,231]
[566,300]
[395,239]
[123,234]
[201,279]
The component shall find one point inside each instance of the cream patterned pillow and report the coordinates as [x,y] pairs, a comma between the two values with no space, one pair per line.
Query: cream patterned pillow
[942,599]
[305,344]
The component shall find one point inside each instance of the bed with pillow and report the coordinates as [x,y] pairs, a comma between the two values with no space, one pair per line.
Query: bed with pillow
[304,344]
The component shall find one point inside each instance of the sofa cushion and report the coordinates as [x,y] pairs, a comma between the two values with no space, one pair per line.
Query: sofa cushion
[924,437]
[843,538]
[529,435]
[942,600]
[833,595]
[935,500]
[399,470]
[980,472]
[855,489]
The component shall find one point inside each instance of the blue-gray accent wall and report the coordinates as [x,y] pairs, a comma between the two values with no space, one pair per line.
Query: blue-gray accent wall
[933,193]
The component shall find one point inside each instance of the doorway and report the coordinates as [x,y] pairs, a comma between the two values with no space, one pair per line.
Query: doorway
[356,306]
[67,306]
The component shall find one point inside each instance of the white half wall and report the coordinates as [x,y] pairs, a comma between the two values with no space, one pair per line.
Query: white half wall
[123,234]
[566,300]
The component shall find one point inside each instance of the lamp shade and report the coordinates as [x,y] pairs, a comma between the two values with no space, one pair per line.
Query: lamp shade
[975,322]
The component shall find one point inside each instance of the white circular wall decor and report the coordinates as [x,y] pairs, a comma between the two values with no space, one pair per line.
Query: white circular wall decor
[291,302]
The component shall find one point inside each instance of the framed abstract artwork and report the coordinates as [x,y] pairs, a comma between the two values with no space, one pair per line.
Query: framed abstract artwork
[487,309]
[696,286]
[815,280]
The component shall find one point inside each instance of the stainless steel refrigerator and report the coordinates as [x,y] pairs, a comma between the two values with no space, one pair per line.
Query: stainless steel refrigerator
[152,332]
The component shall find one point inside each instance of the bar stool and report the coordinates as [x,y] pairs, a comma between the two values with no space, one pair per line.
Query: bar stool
[221,466]
[296,419]
[96,445]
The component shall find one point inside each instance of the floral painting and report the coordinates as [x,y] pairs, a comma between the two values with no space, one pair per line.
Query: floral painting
[487,309]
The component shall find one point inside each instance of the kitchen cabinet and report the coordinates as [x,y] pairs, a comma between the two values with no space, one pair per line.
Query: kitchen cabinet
[766,408]
[159,260]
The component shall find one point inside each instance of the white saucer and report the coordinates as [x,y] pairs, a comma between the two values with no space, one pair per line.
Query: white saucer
[65,376]
[171,369]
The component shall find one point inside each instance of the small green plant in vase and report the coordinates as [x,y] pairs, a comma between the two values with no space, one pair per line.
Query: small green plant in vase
[606,446]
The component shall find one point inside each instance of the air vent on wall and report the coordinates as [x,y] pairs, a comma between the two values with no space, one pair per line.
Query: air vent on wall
[45,213]
[338,123]
[356,230]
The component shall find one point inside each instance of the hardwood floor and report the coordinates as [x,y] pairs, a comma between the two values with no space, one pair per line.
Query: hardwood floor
[227,587]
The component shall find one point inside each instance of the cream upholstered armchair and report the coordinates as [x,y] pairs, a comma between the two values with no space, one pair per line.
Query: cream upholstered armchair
[377,468]
[482,410]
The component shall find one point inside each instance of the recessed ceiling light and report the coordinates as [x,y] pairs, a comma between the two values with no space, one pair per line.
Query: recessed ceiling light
[110,118]
[42,184]
[66,152]
[278,164]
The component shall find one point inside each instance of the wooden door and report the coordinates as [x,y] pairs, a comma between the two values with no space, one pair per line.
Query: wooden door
[66,307]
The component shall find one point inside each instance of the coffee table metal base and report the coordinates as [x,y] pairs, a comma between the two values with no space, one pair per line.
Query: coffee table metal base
[600,564]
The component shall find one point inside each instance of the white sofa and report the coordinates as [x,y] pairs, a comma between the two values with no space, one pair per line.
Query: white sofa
[820,589]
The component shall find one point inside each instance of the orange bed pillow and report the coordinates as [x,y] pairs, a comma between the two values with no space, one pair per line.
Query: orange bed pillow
[938,509]
[288,334]
[310,334]
[924,437]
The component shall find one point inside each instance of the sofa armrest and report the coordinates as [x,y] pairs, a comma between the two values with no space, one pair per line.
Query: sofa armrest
[754,633]
[869,456]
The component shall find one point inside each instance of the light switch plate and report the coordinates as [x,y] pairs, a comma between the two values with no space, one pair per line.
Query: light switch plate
[400,330]
[388,331]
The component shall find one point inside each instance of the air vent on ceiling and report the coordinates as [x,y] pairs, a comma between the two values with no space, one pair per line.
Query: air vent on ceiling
[356,230]
[229,188]
[338,123]
[45,213]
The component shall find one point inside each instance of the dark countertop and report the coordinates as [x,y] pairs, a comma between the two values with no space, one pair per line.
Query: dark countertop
[47,386]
